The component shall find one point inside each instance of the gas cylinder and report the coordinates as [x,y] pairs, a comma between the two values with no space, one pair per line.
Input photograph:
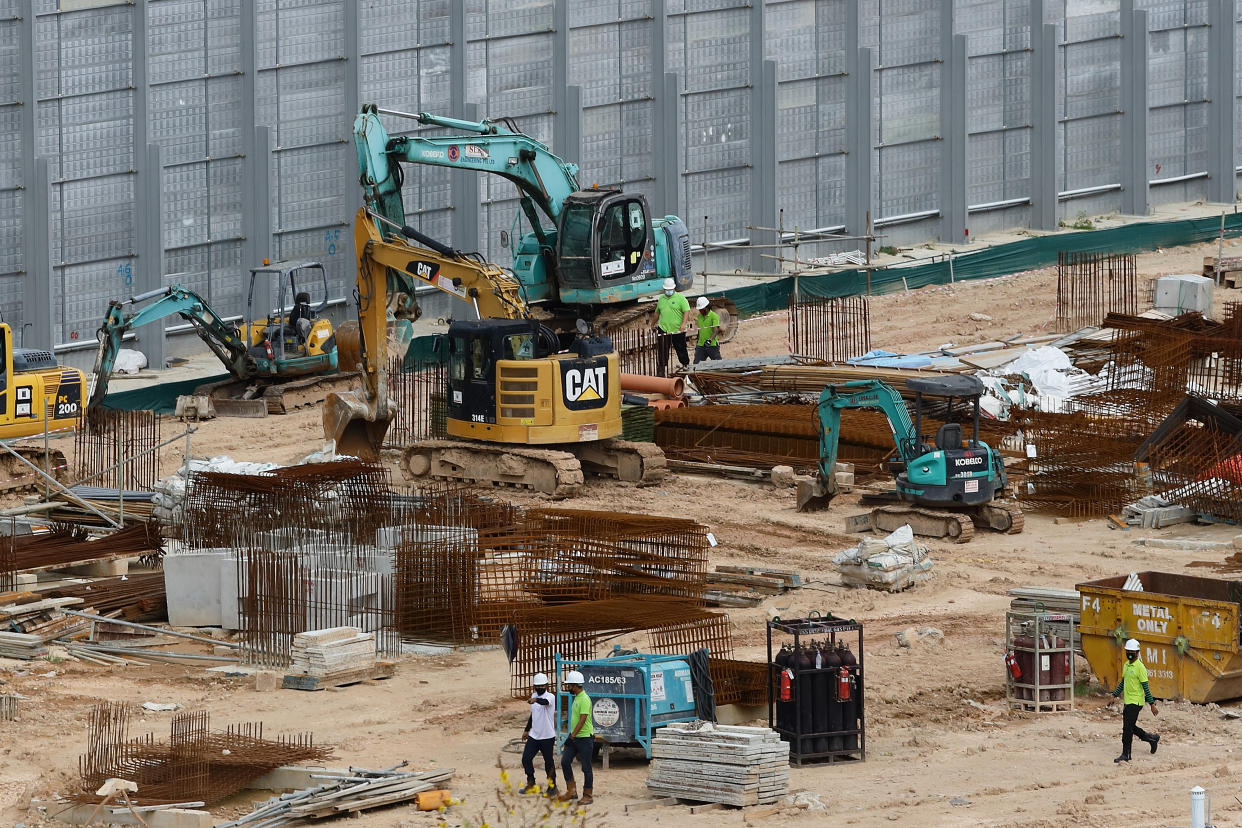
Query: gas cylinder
[1060,669]
[1023,645]
[832,661]
[820,715]
[804,665]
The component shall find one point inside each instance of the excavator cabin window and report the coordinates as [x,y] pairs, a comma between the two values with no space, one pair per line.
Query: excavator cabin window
[622,239]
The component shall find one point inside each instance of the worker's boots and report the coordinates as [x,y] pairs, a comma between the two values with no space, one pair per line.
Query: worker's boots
[571,792]
[531,787]
[1125,757]
[550,791]
[586,799]
[1153,740]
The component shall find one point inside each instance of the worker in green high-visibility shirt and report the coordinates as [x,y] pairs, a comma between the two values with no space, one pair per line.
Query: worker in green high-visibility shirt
[708,346]
[1134,692]
[579,743]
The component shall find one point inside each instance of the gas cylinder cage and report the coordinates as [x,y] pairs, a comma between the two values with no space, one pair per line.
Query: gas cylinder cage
[1040,648]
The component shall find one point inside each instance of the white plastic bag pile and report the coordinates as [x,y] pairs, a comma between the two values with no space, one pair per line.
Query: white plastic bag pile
[893,563]
[169,500]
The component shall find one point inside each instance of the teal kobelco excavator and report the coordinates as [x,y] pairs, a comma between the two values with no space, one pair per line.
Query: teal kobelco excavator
[590,253]
[281,356]
[945,486]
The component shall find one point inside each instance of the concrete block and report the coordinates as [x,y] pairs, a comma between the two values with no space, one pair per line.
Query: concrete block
[230,618]
[783,477]
[101,569]
[185,574]
[740,714]
[267,680]
[293,778]
[170,818]
[26,579]
[1182,293]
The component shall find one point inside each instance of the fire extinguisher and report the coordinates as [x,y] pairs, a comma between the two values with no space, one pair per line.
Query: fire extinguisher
[786,689]
[1011,661]
[844,682]
[267,345]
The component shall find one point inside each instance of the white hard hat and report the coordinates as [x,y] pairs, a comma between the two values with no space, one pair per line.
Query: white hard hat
[540,678]
[574,677]
[702,303]
[1132,644]
[669,284]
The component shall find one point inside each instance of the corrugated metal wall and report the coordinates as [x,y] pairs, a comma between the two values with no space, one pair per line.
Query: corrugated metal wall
[984,113]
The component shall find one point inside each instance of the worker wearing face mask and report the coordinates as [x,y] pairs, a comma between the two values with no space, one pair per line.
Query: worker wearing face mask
[671,323]
[540,737]
[1134,693]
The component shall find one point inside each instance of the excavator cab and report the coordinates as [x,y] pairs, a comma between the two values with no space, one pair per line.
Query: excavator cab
[283,328]
[606,248]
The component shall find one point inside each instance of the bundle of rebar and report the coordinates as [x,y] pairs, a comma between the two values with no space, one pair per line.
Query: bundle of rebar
[137,597]
[638,351]
[361,790]
[66,545]
[116,449]
[196,764]
[834,330]
[1202,464]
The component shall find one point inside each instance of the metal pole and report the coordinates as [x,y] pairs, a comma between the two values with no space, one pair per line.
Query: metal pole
[61,486]
[149,628]
[868,220]
[120,474]
[47,416]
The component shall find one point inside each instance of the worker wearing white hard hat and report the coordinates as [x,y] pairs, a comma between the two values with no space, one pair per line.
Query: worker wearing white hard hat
[540,736]
[1134,693]
[672,319]
[580,742]
[708,346]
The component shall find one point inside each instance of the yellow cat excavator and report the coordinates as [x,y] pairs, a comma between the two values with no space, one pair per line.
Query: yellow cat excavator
[524,411]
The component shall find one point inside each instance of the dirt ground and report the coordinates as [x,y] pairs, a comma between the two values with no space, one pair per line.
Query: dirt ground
[942,749]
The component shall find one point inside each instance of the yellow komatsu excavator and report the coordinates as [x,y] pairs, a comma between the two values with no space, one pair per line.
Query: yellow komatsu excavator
[520,409]
[36,393]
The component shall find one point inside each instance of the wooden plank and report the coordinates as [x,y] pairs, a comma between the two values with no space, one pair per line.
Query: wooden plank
[650,803]
[381,670]
[45,604]
[788,577]
[756,582]
[702,809]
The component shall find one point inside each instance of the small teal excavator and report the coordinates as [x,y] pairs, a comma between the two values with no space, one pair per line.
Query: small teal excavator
[270,356]
[590,253]
[945,486]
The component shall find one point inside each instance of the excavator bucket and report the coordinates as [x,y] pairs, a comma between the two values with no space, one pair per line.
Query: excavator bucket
[813,496]
[355,425]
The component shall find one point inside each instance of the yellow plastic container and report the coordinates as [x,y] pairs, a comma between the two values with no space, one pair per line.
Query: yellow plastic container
[1187,628]
[432,800]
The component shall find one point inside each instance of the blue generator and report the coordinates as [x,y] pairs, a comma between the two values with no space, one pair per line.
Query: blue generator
[631,696]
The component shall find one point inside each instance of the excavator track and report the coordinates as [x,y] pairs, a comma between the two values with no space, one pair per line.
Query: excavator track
[927,523]
[238,398]
[555,471]
[999,517]
[16,476]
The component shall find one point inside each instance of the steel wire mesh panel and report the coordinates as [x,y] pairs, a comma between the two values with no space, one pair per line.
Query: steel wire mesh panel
[834,330]
[117,449]
[638,352]
[418,392]
[1090,286]
[1202,465]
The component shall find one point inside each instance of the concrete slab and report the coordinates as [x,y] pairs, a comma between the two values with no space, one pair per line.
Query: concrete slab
[170,818]
[185,575]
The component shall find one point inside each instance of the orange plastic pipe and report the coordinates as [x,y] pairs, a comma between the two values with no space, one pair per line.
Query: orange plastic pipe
[668,386]
[666,404]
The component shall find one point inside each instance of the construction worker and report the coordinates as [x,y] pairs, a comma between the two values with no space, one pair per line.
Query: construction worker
[1134,693]
[540,736]
[580,742]
[708,346]
[671,323]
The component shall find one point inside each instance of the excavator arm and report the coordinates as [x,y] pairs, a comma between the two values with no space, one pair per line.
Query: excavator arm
[220,337]
[832,401]
[357,421]
[543,179]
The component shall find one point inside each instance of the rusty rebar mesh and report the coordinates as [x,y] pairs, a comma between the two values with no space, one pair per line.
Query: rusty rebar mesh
[608,554]
[8,558]
[119,447]
[437,584]
[1092,285]
[579,631]
[418,391]
[1203,464]
[195,764]
[638,351]
[1083,463]
[834,329]
[738,682]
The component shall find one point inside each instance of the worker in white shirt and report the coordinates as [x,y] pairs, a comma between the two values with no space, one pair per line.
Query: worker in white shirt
[540,736]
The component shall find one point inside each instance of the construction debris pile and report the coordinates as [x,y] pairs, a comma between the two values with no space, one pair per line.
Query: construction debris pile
[705,762]
[893,563]
[360,791]
[195,764]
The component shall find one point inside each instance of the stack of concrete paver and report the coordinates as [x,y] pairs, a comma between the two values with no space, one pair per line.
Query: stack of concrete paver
[334,653]
[705,762]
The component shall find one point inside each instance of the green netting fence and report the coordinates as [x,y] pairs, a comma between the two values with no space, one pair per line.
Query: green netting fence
[985,263]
